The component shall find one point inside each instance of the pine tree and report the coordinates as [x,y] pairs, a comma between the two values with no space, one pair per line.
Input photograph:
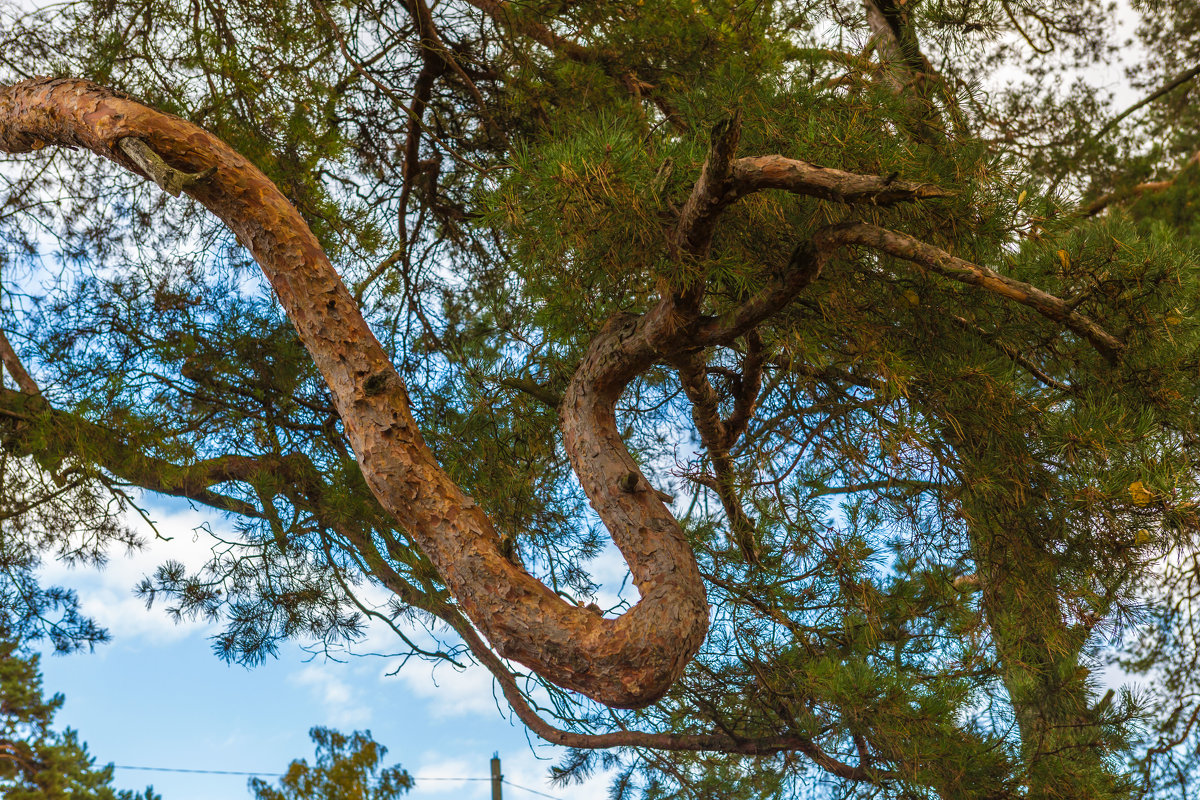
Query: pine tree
[881,376]
[36,761]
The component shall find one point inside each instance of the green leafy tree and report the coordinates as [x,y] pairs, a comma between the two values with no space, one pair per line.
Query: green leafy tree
[881,376]
[36,761]
[346,768]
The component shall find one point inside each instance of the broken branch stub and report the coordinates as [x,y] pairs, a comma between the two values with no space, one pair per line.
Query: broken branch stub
[169,179]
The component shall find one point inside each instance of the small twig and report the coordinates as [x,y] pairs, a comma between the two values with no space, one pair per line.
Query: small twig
[1013,354]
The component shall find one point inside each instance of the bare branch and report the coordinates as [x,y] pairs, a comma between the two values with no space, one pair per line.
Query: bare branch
[724,181]
[679,742]
[800,177]
[935,259]
[887,484]
[808,259]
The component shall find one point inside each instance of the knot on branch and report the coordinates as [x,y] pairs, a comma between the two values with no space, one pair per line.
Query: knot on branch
[376,384]
[629,483]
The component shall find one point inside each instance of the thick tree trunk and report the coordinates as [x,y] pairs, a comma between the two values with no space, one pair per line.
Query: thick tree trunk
[625,662]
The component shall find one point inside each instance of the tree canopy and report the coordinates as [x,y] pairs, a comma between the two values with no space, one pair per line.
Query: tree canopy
[866,331]
[345,768]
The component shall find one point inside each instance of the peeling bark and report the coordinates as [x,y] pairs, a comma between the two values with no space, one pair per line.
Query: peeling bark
[625,662]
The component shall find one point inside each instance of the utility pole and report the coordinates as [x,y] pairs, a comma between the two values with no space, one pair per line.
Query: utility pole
[497,778]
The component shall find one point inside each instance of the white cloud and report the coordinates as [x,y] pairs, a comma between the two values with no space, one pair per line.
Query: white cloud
[107,594]
[341,701]
[453,692]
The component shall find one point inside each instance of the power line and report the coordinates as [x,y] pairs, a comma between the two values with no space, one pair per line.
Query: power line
[526,789]
[266,774]
[280,775]
[200,771]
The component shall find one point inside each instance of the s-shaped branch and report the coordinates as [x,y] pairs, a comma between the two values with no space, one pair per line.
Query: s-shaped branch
[625,662]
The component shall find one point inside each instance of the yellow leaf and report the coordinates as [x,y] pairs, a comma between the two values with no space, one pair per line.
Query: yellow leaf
[1140,495]
[1065,258]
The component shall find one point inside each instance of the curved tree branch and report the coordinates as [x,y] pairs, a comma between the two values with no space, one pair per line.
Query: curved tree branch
[625,662]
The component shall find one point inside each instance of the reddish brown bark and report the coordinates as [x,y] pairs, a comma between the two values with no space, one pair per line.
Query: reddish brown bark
[624,662]
[15,368]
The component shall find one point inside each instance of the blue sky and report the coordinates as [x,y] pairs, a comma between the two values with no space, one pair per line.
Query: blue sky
[156,696]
